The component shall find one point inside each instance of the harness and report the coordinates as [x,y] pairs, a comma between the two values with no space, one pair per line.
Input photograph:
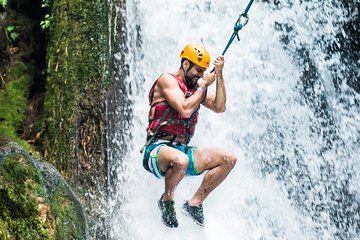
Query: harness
[166,121]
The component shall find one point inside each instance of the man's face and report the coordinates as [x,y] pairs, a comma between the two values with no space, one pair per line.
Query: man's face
[193,74]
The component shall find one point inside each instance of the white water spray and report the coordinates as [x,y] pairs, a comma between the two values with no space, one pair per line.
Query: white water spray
[280,187]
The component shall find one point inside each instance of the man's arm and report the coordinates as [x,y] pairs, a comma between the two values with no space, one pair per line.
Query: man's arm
[217,101]
[169,89]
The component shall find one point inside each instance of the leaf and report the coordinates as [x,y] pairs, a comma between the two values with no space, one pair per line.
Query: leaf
[3,3]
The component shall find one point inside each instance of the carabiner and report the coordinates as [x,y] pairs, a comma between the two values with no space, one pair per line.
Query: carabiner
[242,20]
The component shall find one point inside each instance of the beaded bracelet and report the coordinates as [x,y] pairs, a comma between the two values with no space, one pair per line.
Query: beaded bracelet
[202,90]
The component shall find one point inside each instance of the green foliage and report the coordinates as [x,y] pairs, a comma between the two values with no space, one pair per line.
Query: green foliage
[14,100]
[11,30]
[45,24]
[3,3]
[45,3]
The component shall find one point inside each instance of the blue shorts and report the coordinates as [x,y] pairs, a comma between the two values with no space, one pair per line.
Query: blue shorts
[151,163]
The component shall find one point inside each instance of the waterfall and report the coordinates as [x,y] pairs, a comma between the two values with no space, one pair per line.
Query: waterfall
[292,119]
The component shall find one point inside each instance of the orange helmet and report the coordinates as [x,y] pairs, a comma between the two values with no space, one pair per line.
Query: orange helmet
[197,54]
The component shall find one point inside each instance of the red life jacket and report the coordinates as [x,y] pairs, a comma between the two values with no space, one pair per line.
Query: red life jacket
[173,123]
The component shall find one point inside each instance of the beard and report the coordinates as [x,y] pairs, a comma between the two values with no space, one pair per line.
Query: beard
[189,82]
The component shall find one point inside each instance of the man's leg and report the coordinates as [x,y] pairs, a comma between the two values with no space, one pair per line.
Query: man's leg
[174,163]
[219,163]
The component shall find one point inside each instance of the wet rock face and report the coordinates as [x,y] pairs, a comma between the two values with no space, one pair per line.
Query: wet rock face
[35,200]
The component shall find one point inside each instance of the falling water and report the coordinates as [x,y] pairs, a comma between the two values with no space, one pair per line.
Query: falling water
[293,120]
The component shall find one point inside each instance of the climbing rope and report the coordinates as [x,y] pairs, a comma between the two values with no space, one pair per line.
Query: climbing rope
[240,23]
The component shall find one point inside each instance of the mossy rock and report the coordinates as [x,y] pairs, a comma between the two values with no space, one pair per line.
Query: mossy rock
[35,201]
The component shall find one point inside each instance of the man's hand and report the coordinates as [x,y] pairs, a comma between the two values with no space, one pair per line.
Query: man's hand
[219,64]
[217,101]
[208,79]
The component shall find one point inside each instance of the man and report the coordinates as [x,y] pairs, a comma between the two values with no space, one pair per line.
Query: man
[175,100]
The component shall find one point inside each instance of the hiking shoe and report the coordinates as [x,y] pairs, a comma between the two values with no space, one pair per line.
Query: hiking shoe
[168,213]
[195,212]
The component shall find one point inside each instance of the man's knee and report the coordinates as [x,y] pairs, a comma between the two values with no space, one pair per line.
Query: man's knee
[181,162]
[230,160]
